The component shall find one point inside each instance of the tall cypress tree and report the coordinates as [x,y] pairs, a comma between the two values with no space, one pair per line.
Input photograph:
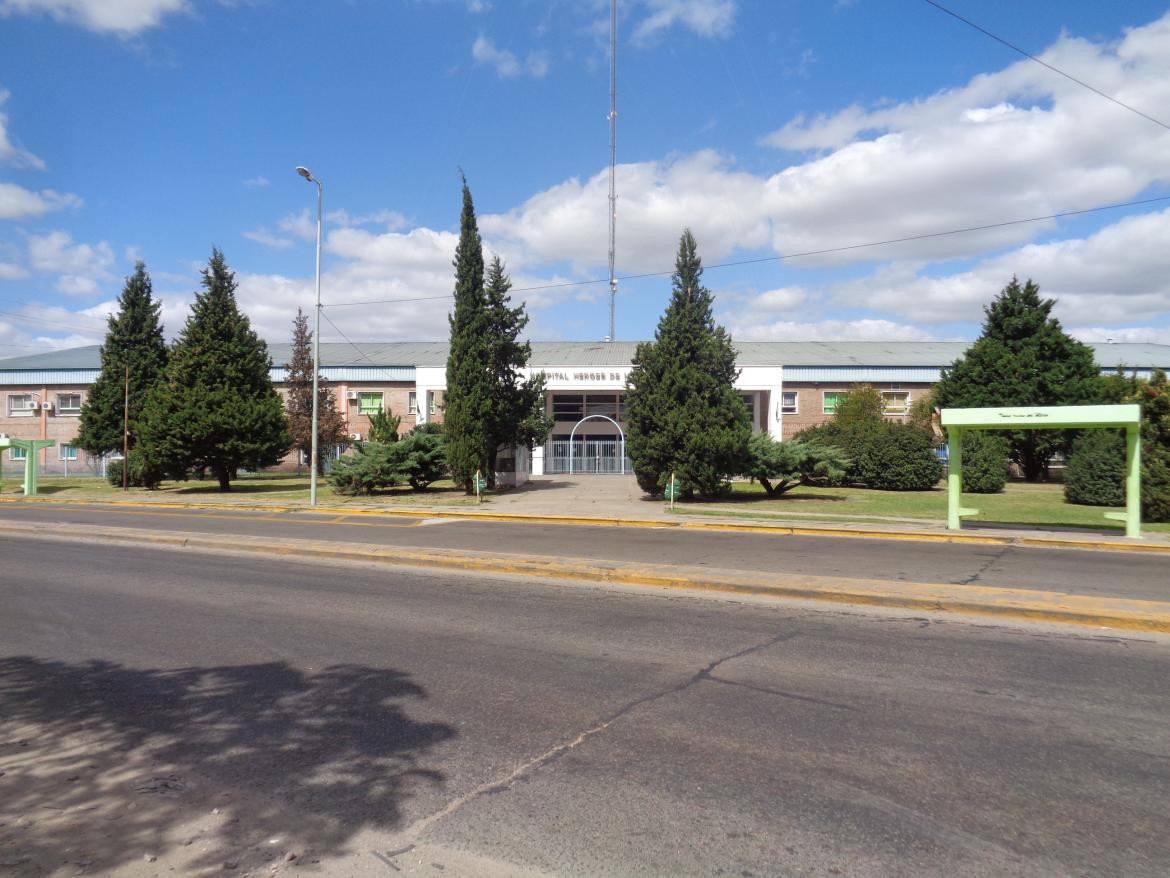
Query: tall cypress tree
[134,339]
[216,408]
[683,412]
[1023,358]
[467,408]
[517,410]
[299,404]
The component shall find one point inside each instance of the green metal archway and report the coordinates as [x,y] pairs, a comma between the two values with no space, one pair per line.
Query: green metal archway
[31,447]
[1067,417]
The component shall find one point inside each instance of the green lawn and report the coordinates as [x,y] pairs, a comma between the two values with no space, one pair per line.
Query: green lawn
[270,488]
[1019,503]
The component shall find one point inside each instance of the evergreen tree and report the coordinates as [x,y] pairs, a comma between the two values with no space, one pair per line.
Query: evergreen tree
[683,412]
[1023,358]
[518,416]
[216,408]
[467,408]
[299,404]
[487,405]
[134,339]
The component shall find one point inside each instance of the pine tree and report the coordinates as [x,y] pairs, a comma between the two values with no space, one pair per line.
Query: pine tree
[683,411]
[134,339]
[299,403]
[468,401]
[216,408]
[1023,358]
[517,409]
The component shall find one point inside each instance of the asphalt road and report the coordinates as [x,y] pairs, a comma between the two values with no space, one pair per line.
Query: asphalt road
[1087,572]
[168,712]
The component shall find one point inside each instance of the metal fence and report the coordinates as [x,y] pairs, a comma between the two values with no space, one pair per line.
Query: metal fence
[598,456]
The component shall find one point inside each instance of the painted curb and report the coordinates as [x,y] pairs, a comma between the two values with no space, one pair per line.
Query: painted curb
[1005,603]
[602,521]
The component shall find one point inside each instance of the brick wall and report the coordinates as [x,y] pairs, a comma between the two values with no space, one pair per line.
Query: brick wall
[810,402]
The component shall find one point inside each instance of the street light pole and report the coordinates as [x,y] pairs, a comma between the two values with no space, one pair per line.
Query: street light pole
[304,172]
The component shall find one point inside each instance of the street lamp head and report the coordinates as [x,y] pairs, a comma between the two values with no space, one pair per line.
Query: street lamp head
[304,172]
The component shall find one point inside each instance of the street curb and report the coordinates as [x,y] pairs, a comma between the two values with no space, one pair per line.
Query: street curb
[602,521]
[1020,604]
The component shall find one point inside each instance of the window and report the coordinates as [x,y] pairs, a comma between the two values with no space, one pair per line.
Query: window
[832,399]
[21,405]
[602,404]
[15,453]
[412,402]
[68,404]
[432,406]
[749,401]
[568,407]
[369,404]
[788,402]
[895,402]
[67,452]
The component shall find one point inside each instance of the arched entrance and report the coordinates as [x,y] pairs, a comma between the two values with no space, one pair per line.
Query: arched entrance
[621,456]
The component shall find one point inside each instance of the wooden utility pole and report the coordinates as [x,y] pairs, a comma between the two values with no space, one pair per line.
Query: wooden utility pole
[126,431]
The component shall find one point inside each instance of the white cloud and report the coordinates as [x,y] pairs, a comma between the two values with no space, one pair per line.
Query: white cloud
[80,267]
[300,224]
[392,220]
[258,183]
[707,18]
[121,17]
[1015,144]
[1119,274]
[11,271]
[505,62]
[265,237]
[16,202]
[10,154]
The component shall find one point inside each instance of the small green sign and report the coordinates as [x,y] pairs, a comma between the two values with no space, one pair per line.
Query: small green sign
[673,489]
[480,484]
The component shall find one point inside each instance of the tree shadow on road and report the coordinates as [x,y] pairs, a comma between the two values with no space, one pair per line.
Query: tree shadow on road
[102,765]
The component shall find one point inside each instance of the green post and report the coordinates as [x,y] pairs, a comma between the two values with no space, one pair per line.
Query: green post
[954,476]
[1133,482]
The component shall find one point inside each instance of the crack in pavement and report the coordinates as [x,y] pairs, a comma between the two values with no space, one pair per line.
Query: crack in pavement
[500,785]
[781,693]
[985,567]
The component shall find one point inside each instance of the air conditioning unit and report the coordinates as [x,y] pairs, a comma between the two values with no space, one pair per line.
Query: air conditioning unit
[356,437]
[351,394]
[46,406]
[30,405]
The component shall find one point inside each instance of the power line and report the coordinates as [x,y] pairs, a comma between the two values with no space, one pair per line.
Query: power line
[53,324]
[361,354]
[785,256]
[1026,54]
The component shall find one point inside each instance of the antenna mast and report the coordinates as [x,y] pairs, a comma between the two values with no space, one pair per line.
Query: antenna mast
[612,162]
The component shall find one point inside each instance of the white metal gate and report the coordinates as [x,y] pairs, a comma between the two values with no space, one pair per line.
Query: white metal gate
[594,456]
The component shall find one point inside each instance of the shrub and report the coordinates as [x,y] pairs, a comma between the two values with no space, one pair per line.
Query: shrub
[1095,475]
[779,466]
[985,462]
[421,456]
[898,457]
[372,466]
[852,440]
[142,473]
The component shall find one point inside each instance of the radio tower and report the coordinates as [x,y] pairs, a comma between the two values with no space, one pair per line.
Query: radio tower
[612,162]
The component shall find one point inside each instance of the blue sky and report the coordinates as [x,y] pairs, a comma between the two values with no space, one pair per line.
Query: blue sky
[155,129]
